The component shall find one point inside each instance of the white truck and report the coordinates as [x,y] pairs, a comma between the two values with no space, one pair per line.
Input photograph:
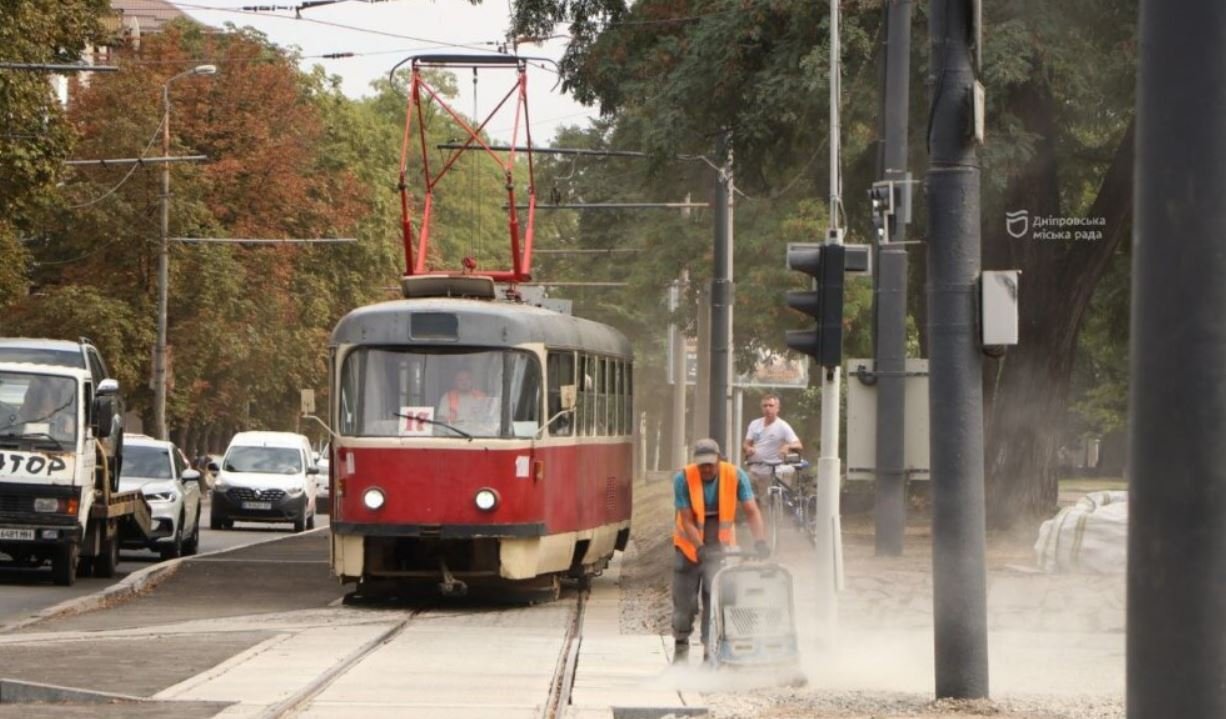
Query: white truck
[60,454]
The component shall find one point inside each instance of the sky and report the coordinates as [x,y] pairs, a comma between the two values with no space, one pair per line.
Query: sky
[383,33]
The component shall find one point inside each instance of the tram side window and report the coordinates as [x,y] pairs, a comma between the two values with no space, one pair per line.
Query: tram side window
[561,369]
[619,407]
[587,376]
[628,398]
[523,376]
[602,397]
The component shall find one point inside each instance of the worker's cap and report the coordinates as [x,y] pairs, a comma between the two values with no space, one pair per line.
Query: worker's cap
[706,451]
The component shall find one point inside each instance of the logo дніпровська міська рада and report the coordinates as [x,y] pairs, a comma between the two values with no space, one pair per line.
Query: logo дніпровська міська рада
[1019,224]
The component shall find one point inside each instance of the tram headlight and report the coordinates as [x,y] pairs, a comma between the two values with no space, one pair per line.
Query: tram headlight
[486,499]
[373,498]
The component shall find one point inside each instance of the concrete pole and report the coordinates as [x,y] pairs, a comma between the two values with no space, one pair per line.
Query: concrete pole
[159,354]
[955,365]
[721,303]
[702,389]
[890,508]
[677,455]
[1176,634]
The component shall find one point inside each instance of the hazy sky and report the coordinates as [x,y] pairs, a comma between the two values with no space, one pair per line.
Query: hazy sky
[383,33]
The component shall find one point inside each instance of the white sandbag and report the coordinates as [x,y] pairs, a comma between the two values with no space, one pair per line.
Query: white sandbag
[1090,536]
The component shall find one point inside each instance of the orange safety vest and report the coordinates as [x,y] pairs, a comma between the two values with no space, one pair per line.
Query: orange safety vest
[727,509]
[453,403]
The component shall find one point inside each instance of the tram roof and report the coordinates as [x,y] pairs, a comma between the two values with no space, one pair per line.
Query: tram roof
[477,323]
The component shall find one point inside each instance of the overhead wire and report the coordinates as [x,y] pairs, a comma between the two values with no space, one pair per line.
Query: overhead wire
[126,176]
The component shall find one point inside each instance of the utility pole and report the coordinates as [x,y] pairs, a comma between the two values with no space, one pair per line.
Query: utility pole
[721,301]
[702,390]
[677,457]
[956,361]
[159,355]
[890,509]
[1176,638]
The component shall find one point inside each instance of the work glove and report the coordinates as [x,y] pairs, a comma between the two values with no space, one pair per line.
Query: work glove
[762,548]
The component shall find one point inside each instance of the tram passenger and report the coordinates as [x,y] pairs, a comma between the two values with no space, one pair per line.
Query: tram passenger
[768,440]
[467,408]
[706,494]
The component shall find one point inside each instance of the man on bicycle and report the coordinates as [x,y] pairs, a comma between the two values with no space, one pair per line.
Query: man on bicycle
[767,441]
[706,493]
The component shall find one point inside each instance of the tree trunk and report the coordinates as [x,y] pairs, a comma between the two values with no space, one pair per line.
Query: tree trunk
[1027,390]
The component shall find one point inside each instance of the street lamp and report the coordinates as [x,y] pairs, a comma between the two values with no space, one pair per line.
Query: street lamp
[159,355]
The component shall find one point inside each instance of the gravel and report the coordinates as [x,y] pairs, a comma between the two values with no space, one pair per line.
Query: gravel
[1055,649]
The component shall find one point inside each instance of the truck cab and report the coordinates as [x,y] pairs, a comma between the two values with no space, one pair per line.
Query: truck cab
[57,453]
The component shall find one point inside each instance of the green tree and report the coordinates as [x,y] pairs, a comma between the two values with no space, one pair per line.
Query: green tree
[1060,140]
[35,138]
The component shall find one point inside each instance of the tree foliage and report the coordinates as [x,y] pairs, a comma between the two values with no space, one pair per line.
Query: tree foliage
[672,76]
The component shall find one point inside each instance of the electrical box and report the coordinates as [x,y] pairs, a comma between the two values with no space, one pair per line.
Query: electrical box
[998,305]
[862,420]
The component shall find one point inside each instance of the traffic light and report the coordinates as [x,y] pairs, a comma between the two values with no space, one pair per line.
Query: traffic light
[826,264]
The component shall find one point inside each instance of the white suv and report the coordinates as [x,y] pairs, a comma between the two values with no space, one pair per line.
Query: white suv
[265,477]
[172,490]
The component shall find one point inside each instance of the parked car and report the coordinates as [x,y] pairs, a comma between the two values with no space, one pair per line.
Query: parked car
[323,489]
[172,489]
[265,477]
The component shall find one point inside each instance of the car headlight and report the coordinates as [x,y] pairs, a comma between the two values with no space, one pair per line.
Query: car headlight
[486,499]
[46,504]
[294,491]
[373,498]
[221,484]
[167,496]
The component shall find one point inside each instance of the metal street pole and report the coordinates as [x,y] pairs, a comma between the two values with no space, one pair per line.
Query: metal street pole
[828,537]
[890,509]
[1176,641]
[955,363]
[159,355]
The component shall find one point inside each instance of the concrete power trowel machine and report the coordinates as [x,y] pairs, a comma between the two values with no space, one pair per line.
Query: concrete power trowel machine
[753,621]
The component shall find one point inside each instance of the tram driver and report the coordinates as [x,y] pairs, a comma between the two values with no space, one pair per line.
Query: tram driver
[467,408]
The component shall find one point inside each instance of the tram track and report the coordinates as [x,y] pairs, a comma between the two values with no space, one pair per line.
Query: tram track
[306,700]
[292,705]
[568,661]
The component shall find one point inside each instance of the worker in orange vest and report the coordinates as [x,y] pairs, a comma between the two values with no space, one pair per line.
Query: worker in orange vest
[706,495]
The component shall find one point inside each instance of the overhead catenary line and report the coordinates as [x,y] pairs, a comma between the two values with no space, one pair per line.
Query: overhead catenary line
[56,67]
[137,160]
[266,240]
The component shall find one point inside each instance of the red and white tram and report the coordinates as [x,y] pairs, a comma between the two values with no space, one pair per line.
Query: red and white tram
[532,485]
[476,440]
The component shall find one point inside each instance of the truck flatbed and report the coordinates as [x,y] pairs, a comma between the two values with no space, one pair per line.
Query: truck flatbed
[124,505]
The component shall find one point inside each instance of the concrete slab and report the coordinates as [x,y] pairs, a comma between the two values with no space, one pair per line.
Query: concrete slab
[279,669]
[331,710]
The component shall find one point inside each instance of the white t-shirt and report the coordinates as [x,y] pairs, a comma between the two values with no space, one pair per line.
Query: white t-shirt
[769,439]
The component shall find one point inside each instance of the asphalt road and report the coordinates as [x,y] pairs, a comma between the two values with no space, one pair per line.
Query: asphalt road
[26,591]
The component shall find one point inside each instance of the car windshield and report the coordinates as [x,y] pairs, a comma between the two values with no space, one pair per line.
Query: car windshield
[58,357]
[38,404]
[145,462]
[264,460]
[440,392]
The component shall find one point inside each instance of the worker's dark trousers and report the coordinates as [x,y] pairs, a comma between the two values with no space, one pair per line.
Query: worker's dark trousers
[688,579]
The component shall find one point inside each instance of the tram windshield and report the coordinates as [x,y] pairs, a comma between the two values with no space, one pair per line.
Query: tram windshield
[440,392]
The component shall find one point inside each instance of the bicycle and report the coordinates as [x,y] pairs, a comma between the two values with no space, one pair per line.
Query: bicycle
[786,496]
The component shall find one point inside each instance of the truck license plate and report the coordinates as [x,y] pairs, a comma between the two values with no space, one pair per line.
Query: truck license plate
[26,534]
[257,505]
